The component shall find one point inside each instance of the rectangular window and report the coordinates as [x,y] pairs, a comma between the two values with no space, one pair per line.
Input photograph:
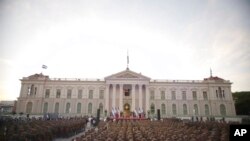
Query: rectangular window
[47,93]
[58,93]
[101,95]
[152,94]
[79,94]
[173,95]
[69,91]
[91,94]
[35,90]
[194,95]
[184,95]
[162,95]
[205,95]
[28,91]
[127,92]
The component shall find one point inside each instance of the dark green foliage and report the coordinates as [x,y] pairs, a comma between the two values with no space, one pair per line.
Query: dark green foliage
[242,103]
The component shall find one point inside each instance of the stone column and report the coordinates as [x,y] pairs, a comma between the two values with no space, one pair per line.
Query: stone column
[140,96]
[113,96]
[133,97]
[121,98]
[107,99]
[147,100]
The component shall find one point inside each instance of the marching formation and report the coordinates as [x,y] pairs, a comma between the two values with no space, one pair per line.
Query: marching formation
[161,130]
[40,129]
[91,129]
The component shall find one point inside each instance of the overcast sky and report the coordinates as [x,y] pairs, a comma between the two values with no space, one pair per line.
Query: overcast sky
[166,39]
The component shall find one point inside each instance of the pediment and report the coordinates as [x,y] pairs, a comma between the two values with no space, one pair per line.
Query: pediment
[127,74]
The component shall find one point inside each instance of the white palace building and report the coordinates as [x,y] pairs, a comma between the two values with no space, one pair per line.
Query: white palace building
[126,92]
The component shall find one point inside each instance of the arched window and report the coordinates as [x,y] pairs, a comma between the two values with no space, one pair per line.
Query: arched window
[90,108]
[206,109]
[45,107]
[29,107]
[174,109]
[79,107]
[163,109]
[152,108]
[184,109]
[223,110]
[101,108]
[196,109]
[68,108]
[57,107]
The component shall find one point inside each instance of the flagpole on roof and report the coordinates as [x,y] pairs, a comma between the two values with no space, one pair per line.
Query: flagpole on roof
[44,67]
[127,60]
[43,88]
[211,74]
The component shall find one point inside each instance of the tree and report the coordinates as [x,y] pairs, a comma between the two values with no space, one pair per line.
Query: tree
[242,100]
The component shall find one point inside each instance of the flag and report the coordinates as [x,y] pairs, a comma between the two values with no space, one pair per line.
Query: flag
[44,67]
[113,112]
[119,112]
[136,114]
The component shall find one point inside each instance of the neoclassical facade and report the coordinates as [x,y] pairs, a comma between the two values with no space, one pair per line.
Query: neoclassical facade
[126,91]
